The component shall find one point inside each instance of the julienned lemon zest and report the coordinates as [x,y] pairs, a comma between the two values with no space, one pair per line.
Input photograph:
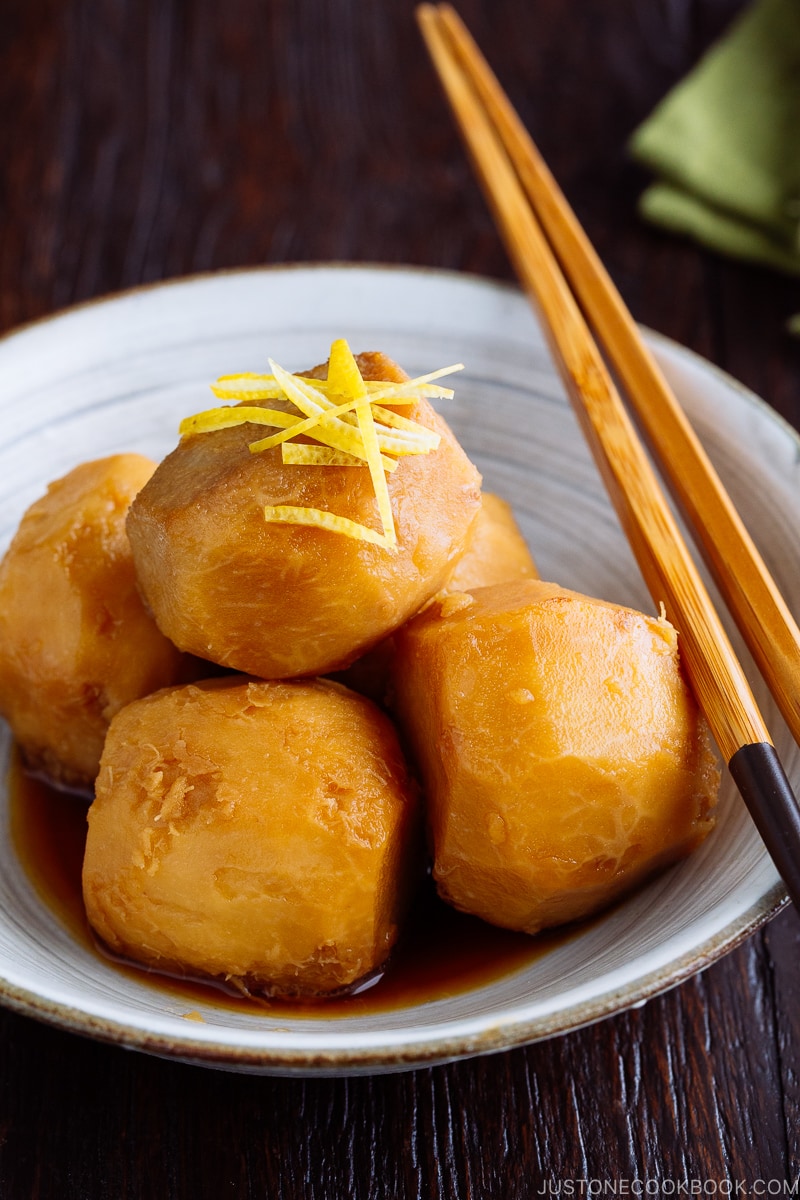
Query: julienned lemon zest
[395,421]
[226,418]
[330,430]
[249,386]
[320,518]
[302,454]
[415,439]
[348,427]
[344,373]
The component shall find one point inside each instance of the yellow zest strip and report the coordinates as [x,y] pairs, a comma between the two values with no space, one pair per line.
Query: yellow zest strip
[419,436]
[401,393]
[350,457]
[372,385]
[309,423]
[343,371]
[402,443]
[271,391]
[329,420]
[301,454]
[419,432]
[346,425]
[286,514]
[226,418]
[249,386]
[420,440]
[395,392]
[252,391]
[303,392]
[415,439]
[331,431]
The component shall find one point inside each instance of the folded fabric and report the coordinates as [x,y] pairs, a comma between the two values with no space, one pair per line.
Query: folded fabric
[725,143]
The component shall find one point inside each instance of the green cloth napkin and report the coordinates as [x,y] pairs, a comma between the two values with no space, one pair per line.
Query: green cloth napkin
[725,143]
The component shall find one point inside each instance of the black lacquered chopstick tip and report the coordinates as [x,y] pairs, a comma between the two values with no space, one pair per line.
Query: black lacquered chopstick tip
[761,779]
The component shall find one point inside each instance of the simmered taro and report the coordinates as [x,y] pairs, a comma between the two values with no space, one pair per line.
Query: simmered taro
[283,600]
[562,754]
[264,833]
[76,643]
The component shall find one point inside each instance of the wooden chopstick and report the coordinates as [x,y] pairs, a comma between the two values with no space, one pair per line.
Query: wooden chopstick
[719,682]
[750,592]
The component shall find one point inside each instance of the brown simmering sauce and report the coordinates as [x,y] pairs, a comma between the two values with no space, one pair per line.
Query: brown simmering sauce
[441,953]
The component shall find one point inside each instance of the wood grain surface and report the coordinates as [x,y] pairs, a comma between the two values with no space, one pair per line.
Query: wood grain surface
[142,139]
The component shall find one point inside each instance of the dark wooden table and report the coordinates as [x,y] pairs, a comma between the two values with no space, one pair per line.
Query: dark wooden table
[141,139]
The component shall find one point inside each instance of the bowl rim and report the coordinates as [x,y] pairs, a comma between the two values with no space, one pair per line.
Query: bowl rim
[429,1046]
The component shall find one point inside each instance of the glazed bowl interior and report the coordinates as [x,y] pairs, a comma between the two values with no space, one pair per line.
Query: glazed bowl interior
[118,375]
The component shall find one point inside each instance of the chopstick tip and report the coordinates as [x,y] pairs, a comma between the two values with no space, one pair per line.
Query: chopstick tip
[428,11]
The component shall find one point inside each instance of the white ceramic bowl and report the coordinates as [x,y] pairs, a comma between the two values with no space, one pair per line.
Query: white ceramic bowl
[119,374]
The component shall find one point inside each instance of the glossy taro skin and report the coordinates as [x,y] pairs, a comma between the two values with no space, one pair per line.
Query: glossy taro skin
[563,757]
[261,832]
[283,600]
[497,551]
[76,642]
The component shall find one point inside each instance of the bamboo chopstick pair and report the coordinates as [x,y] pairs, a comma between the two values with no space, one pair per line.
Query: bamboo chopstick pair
[546,243]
